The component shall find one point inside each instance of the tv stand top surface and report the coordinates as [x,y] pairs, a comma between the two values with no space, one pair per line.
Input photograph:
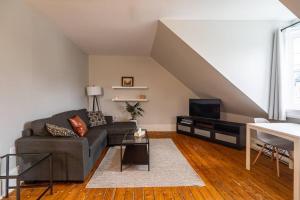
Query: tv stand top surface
[222,120]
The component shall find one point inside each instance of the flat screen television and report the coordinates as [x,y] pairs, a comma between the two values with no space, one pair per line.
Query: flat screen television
[207,108]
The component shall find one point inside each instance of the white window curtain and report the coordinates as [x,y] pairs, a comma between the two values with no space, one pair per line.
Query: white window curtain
[278,96]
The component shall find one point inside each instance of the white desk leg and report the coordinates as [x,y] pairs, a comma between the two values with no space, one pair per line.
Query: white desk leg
[248,147]
[297,169]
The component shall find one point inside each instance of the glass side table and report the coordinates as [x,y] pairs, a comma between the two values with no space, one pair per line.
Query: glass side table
[15,166]
[137,150]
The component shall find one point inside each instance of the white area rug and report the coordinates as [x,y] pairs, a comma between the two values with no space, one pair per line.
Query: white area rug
[168,167]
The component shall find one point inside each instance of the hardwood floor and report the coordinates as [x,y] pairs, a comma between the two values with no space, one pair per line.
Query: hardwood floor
[221,168]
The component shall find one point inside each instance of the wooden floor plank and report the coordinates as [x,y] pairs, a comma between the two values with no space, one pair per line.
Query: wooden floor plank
[197,191]
[167,193]
[138,194]
[186,193]
[120,194]
[158,194]
[148,193]
[221,168]
[176,193]
[110,194]
[197,194]
[129,194]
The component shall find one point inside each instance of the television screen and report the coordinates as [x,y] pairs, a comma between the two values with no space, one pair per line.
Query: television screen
[207,108]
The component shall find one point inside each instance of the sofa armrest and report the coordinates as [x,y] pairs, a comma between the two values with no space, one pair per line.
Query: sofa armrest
[109,119]
[70,155]
[27,132]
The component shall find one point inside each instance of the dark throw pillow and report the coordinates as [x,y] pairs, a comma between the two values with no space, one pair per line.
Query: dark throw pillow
[96,118]
[60,131]
[78,125]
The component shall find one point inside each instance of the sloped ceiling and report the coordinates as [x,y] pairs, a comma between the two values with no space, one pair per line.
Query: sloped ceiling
[239,50]
[194,71]
[127,27]
[293,5]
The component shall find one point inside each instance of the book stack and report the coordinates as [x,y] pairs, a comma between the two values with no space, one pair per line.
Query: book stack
[186,121]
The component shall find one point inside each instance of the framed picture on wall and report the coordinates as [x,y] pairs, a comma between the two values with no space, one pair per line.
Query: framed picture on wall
[127,81]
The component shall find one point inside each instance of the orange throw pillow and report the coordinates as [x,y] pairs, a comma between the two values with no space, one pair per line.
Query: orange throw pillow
[78,125]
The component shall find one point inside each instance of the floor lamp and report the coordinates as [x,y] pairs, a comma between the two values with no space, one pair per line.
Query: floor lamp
[94,91]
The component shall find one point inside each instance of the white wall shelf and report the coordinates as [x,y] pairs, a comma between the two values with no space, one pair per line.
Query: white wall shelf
[131,100]
[135,87]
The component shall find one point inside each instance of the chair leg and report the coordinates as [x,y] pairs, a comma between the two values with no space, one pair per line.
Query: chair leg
[272,153]
[277,161]
[291,160]
[258,154]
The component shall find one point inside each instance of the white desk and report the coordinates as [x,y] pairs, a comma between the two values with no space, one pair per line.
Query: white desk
[284,130]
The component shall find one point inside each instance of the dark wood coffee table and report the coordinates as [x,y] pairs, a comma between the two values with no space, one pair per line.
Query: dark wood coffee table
[137,150]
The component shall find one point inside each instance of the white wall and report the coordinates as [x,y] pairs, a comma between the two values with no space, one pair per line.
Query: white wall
[239,50]
[171,52]
[167,96]
[41,72]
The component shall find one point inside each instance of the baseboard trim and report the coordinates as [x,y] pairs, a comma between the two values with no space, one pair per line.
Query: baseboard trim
[158,127]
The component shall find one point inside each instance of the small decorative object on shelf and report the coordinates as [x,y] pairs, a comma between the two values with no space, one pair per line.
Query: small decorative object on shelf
[132,88]
[127,81]
[134,110]
[139,133]
[142,96]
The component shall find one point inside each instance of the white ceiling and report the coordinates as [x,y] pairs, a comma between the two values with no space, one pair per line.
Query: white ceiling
[127,27]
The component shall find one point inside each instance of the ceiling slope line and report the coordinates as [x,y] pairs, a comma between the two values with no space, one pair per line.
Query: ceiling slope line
[293,6]
[212,65]
[130,29]
[259,112]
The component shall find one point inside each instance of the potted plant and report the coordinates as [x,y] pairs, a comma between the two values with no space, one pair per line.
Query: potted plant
[134,110]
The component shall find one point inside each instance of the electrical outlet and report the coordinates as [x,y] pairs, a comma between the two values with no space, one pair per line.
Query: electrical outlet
[12,150]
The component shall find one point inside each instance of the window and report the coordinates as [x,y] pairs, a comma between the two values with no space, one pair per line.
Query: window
[293,56]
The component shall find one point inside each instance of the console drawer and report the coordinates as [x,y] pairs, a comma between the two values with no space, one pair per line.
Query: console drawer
[226,138]
[184,128]
[228,133]
[202,132]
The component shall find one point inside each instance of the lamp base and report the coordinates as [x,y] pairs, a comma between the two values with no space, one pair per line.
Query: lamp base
[95,103]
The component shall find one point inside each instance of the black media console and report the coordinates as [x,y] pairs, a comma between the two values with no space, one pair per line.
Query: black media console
[231,134]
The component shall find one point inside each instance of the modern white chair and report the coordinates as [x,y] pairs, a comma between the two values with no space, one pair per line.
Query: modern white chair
[276,145]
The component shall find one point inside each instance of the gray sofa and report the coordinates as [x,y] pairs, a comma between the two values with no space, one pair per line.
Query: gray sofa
[73,158]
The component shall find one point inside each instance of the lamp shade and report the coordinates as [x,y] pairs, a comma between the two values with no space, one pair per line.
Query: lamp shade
[94,90]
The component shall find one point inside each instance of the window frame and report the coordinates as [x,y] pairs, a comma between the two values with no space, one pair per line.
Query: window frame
[293,107]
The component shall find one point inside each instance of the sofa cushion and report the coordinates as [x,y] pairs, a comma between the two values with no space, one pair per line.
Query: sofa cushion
[120,127]
[61,119]
[39,127]
[96,118]
[78,125]
[108,119]
[83,114]
[60,131]
[95,137]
